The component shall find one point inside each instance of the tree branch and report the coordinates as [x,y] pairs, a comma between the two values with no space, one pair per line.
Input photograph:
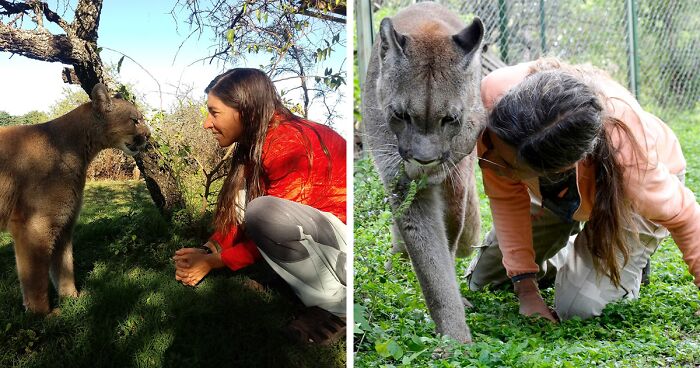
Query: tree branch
[340,9]
[22,8]
[14,8]
[322,16]
[41,45]
[160,90]
[87,19]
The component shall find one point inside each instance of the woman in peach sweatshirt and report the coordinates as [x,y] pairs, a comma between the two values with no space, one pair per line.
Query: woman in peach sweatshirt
[583,184]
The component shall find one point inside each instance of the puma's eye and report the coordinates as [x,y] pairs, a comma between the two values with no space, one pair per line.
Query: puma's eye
[400,115]
[449,119]
[135,120]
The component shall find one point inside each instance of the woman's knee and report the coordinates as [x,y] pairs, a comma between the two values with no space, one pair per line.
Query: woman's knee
[267,224]
[260,211]
[577,302]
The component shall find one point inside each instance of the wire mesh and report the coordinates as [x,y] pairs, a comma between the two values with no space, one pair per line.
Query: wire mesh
[660,39]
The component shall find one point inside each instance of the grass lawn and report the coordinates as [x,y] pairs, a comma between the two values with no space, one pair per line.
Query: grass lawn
[132,312]
[393,328]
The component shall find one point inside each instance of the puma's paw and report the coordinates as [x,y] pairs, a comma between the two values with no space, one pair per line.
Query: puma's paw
[388,265]
[69,292]
[467,304]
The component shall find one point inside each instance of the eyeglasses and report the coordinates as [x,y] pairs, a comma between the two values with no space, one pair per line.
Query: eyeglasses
[491,160]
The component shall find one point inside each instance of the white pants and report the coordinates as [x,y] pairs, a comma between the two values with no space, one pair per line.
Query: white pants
[562,252]
[305,246]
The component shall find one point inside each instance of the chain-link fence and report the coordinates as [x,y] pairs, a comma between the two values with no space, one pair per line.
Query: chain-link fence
[652,47]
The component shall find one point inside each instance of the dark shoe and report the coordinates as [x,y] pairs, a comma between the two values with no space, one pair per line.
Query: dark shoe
[316,326]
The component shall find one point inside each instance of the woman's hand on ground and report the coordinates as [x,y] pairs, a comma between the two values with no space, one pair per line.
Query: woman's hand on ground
[192,264]
[531,302]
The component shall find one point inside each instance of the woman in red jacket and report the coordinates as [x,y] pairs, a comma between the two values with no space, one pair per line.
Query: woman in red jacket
[284,200]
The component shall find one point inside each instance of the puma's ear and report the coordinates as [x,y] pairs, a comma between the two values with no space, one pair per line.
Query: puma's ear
[101,102]
[391,41]
[469,39]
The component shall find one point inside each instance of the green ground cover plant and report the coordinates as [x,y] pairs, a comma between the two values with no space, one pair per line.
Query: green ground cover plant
[393,328]
[132,312]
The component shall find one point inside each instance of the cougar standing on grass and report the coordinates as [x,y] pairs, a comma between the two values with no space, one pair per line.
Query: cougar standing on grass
[42,177]
[422,114]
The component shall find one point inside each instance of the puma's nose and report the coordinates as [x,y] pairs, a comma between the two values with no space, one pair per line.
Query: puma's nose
[430,160]
[140,139]
[426,162]
[146,132]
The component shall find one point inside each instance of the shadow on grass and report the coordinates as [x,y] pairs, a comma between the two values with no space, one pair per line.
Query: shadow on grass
[132,312]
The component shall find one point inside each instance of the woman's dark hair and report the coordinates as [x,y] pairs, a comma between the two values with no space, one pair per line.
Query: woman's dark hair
[252,93]
[554,119]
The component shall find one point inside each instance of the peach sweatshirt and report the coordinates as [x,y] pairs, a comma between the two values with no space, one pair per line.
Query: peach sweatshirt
[651,181]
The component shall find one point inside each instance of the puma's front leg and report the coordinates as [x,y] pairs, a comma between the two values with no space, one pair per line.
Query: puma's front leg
[62,267]
[397,245]
[423,229]
[32,255]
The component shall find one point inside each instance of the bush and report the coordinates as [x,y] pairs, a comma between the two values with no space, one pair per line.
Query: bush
[112,164]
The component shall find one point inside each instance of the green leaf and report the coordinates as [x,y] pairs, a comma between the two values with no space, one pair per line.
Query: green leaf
[361,323]
[230,35]
[382,349]
[409,358]
[119,64]
[389,348]
[394,349]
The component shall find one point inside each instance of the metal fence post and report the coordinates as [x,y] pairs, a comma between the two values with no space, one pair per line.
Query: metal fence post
[633,51]
[365,37]
[503,30]
[543,36]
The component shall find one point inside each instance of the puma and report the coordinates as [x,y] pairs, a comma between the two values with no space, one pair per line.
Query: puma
[42,177]
[421,115]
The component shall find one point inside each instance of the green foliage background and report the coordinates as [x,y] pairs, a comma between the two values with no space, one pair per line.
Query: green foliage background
[393,327]
[661,328]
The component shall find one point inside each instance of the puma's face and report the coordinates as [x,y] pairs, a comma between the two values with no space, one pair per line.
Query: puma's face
[429,89]
[125,127]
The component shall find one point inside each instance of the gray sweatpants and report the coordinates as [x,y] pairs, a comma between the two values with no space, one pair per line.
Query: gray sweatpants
[561,251]
[305,246]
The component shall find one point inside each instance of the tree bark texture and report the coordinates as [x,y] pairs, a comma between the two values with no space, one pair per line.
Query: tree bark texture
[160,181]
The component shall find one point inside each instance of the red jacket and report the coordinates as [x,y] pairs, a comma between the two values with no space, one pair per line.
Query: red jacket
[295,167]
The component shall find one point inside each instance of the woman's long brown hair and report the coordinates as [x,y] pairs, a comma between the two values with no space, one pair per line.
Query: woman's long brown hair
[555,118]
[252,93]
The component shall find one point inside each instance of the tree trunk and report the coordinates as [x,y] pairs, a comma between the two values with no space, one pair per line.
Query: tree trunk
[160,181]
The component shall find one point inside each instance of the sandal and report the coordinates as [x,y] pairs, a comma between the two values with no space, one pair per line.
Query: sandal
[316,326]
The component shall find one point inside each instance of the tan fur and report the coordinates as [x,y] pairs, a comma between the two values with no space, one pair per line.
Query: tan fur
[42,177]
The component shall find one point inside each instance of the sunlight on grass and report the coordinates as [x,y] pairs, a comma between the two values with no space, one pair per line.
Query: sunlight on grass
[131,312]
[393,328]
